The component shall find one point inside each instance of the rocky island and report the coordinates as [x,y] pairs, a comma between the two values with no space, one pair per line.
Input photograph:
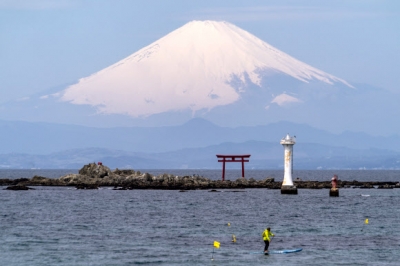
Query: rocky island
[93,176]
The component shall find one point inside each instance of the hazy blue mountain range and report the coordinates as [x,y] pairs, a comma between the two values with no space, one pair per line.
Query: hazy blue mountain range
[264,155]
[191,145]
[41,138]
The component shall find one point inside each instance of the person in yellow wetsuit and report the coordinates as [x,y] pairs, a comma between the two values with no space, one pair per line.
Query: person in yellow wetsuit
[266,237]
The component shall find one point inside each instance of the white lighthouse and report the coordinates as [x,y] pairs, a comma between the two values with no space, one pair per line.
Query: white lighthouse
[287,184]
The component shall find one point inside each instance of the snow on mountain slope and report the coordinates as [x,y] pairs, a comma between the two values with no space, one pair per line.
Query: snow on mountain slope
[190,68]
[283,99]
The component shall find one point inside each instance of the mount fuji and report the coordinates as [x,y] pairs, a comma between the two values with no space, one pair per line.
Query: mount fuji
[212,70]
[200,66]
[206,88]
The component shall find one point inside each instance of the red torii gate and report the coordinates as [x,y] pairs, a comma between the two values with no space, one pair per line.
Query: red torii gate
[232,159]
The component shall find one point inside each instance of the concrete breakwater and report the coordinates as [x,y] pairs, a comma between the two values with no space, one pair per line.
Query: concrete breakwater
[92,176]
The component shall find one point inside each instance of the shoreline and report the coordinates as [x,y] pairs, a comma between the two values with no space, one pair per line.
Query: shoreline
[188,183]
[93,176]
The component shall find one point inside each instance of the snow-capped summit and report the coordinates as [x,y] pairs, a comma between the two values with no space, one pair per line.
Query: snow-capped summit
[202,65]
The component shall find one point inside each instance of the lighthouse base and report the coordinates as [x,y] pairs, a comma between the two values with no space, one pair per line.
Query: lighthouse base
[334,192]
[289,190]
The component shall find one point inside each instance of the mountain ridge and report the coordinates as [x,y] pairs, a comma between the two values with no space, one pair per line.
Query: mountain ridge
[264,155]
[41,138]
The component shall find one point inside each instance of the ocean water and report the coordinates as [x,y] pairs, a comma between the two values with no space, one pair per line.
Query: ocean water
[65,226]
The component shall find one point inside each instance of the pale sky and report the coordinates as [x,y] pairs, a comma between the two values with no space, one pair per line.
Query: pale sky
[51,43]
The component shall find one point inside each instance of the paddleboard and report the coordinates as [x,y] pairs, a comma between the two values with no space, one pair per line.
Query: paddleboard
[284,251]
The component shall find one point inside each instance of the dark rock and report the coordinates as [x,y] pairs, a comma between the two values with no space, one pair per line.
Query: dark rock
[385,186]
[95,171]
[367,186]
[37,178]
[5,182]
[241,182]
[44,181]
[124,172]
[20,180]
[269,180]
[87,186]
[19,187]
[148,177]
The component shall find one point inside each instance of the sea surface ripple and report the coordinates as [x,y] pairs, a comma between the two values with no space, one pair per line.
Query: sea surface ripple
[65,226]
